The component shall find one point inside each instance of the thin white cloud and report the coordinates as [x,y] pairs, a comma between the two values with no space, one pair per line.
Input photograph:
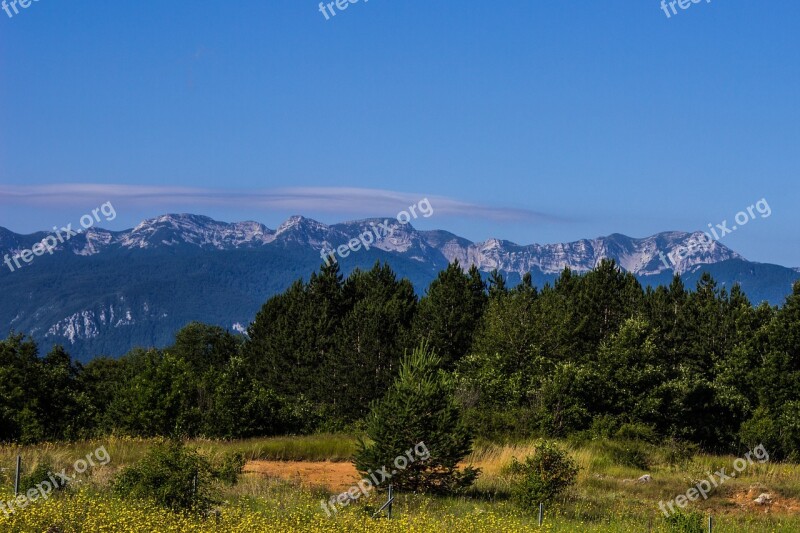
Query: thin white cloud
[300,200]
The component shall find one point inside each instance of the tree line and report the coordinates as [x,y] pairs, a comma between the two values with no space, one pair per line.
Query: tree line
[594,355]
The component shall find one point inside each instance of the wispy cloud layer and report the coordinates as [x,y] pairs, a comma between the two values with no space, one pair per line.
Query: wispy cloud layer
[300,200]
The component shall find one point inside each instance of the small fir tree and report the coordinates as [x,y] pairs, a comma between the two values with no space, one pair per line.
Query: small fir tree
[419,414]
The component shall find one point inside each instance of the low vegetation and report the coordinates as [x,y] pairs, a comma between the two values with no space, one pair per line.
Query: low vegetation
[542,476]
[605,496]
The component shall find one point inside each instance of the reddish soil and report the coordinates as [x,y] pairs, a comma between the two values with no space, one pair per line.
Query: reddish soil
[335,477]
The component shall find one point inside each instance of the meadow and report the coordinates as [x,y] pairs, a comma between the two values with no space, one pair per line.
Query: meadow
[605,498]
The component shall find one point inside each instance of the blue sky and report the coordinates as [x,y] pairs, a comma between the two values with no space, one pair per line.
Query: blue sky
[531,121]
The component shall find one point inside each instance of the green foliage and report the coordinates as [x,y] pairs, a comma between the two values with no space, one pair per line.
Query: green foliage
[679,453]
[418,409]
[173,476]
[542,476]
[590,356]
[789,423]
[636,432]
[685,522]
[634,454]
[762,428]
[778,432]
[41,473]
[351,332]
[450,312]
[40,397]
[565,399]
[232,465]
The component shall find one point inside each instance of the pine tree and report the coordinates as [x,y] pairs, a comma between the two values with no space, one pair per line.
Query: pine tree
[497,284]
[450,312]
[371,339]
[606,296]
[417,413]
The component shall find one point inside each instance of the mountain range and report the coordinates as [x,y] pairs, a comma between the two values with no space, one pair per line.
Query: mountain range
[104,292]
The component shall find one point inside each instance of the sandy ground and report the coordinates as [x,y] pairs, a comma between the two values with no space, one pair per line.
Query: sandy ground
[336,477]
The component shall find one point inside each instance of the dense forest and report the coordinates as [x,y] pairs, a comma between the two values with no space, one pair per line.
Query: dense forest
[593,355]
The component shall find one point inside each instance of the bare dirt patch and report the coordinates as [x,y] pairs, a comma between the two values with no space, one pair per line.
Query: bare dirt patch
[335,477]
[779,504]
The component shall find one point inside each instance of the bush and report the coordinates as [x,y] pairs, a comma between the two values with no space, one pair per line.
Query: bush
[679,453]
[542,476]
[763,428]
[43,472]
[637,432]
[686,522]
[628,453]
[498,424]
[604,426]
[175,477]
[789,422]
[232,466]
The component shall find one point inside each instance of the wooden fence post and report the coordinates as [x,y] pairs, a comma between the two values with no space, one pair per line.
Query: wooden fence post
[16,476]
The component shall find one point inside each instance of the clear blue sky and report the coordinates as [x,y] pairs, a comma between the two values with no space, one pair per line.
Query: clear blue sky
[582,118]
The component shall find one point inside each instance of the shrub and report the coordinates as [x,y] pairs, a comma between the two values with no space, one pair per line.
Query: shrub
[637,432]
[628,453]
[543,476]
[175,477]
[232,465]
[789,422]
[686,522]
[679,453]
[43,472]
[604,426]
[763,428]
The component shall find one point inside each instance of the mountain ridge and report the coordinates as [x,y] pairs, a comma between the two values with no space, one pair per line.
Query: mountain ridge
[113,290]
[204,231]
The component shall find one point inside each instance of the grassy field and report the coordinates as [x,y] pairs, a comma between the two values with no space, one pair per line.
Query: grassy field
[606,497]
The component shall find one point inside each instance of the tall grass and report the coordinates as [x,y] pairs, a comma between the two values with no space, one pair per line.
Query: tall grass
[606,497]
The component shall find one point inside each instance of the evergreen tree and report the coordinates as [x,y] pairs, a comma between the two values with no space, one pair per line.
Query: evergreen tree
[61,400]
[780,380]
[603,299]
[630,369]
[497,284]
[418,410]
[450,311]
[19,400]
[280,344]
[371,339]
